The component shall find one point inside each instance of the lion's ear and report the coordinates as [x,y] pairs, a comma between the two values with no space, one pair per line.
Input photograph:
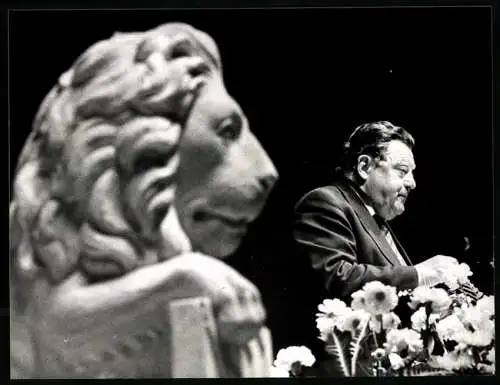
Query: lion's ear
[66,79]
[170,47]
[21,254]
[56,241]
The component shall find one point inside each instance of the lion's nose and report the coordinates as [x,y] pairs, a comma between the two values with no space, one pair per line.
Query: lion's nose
[263,168]
[267,182]
[269,177]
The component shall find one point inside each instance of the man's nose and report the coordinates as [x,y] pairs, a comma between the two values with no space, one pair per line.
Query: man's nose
[410,182]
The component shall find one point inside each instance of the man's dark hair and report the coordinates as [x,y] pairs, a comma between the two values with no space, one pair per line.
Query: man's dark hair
[371,139]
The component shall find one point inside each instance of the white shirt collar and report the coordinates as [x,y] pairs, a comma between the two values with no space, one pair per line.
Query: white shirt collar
[370,209]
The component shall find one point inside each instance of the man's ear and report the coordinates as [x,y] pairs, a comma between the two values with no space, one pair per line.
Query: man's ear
[364,166]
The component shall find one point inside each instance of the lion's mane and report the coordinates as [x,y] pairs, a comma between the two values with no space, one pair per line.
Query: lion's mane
[96,175]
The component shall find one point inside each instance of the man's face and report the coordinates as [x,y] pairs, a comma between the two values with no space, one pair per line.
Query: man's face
[390,180]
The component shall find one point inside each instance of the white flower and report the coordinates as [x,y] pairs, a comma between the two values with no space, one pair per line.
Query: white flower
[457,275]
[332,308]
[491,355]
[473,315]
[375,298]
[358,300]
[389,321]
[433,318]
[438,298]
[396,361]
[463,271]
[378,353]
[419,319]
[325,326]
[400,339]
[468,327]
[421,294]
[489,369]
[487,305]
[449,327]
[278,372]
[353,321]
[292,355]
[481,337]
[441,301]
[452,361]
[478,330]
[462,349]
[330,315]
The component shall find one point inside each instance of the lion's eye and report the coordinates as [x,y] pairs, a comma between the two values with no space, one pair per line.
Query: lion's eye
[230,128]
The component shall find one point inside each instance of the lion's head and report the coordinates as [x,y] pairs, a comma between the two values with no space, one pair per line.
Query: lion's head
[224,173]
[139,143]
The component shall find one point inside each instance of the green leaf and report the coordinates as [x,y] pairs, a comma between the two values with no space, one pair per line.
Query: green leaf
[355,345]
[337,350]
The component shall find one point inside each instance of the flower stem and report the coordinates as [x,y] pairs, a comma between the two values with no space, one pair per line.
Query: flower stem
[379,319]
[375,338]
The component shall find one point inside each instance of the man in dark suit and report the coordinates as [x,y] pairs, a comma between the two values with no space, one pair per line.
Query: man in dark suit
[343,227]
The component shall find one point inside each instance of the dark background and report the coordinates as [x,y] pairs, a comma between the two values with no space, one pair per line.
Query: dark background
[306,78]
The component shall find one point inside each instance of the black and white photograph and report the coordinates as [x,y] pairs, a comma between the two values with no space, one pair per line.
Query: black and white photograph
[251,192]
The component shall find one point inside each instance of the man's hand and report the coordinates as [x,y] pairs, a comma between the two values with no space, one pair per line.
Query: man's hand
[238,308]
[435,270]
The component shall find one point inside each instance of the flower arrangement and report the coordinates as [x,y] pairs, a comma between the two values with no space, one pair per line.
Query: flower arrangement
[446,332]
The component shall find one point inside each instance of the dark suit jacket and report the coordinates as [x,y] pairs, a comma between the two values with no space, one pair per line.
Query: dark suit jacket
[333,227]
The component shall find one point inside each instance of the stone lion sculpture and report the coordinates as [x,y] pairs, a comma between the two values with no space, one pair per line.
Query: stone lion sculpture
[139,170]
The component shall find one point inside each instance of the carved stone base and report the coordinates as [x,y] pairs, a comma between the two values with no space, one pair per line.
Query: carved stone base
[160,340]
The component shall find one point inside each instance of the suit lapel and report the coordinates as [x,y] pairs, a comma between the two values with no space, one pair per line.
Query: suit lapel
[369,223]
[400,247]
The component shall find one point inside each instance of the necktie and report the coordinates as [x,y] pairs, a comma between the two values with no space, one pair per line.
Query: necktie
[387,234]
[381,222]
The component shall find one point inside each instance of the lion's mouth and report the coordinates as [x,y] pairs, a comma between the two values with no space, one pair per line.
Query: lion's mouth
[234,222]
